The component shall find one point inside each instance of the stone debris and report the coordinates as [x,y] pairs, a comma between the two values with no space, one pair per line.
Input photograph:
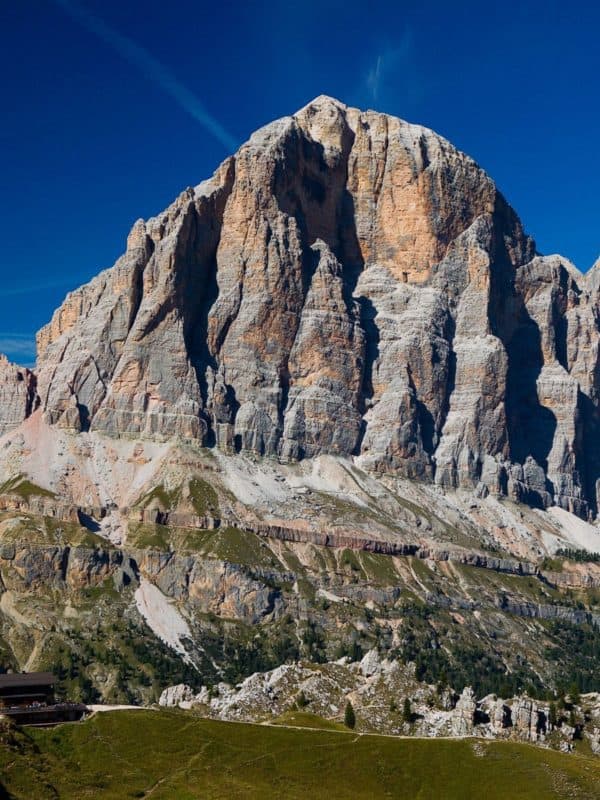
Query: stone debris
[377,688]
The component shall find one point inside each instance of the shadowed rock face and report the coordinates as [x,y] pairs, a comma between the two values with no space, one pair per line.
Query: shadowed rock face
[346,283]
[18,398]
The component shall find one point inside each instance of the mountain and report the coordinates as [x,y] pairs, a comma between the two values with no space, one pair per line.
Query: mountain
[331,400]
[348,284]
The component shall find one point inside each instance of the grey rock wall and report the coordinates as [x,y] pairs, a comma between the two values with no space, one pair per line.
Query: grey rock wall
[346,283]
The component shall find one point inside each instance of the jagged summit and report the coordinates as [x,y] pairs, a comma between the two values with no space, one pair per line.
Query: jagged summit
[351,284]
[322,101]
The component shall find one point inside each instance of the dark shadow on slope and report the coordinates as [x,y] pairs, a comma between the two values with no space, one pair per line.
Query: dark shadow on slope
[368,312]
[205,290]
[324,208]
[560,340]
[430,432]
[88,521]
[559,308]
[315,195]
[588,450]
[84,417]
[197,290]
[530,425]
[426,426]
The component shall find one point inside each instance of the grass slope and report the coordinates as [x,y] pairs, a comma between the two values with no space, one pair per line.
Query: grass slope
[168,755]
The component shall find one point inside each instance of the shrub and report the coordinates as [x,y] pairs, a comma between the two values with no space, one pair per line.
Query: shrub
[349,716]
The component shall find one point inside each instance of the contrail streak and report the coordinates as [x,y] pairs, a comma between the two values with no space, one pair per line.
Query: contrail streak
[15,291]
[151,68]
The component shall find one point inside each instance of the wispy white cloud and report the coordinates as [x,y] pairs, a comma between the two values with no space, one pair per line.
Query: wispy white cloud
[393,73]
[152,68]
[373,79]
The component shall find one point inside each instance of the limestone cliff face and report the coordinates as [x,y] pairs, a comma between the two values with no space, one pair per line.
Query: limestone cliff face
[345,283]
[18,396]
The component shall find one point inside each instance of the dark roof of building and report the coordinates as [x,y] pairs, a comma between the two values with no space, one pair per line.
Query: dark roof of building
[26,679]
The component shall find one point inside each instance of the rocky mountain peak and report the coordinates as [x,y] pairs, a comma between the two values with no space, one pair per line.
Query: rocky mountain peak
[346,283]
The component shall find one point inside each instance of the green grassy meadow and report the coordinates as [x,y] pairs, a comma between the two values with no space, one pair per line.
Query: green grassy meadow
[175,755]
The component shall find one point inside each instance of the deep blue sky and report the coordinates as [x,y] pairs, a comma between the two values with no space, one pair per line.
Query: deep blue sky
[102,125]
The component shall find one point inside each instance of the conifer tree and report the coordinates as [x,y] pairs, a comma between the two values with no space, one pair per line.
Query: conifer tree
[349,716]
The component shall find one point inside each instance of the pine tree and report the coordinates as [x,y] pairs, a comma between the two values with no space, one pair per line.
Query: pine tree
[349,716]
[407,715]
[572,719]
[552,715]
[574,694]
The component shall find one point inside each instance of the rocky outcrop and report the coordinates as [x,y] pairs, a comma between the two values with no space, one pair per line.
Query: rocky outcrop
[177,519]
[214,586]
[500,715]
[18,396]
[463,716]
[346,283]
[371,684]
[174,696]
[594,740]
[26,567]
[42,505]
[546,611]
[585,576]
[528,718]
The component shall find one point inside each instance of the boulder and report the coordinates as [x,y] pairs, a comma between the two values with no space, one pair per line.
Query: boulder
[174,696]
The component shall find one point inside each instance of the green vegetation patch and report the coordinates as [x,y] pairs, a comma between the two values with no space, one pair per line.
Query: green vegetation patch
[166,499]
[48,531]
[304,719]
[420,569]
[225,544]
[167,754]
[528,587]
[240,547]
[113,662]
[379,568]
[147,535]
[345,509]
[349,560]
[552,564]
[203,497]
[243,649]
[74,534]
[580,556]
[23,487]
